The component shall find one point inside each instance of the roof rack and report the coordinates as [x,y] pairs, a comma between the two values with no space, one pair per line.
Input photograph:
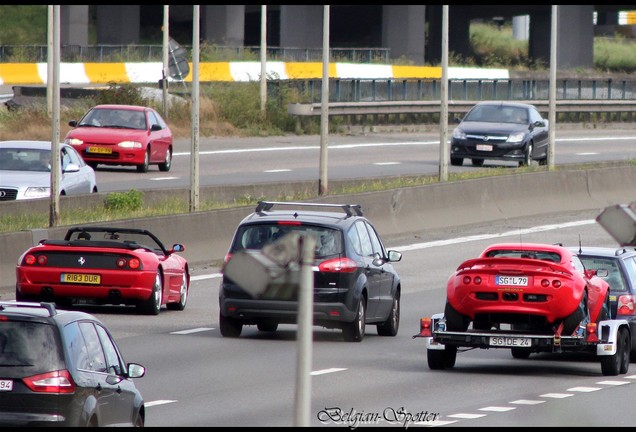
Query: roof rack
[50,307]
[349,209]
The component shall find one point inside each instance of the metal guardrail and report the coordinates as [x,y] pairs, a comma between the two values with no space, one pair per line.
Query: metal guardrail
[428,111]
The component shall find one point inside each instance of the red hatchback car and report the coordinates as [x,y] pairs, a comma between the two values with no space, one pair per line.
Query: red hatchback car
[537,287]
[105,265]
[128,135]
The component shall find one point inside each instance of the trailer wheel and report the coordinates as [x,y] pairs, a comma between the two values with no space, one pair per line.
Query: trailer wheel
[442,359]
[619,361]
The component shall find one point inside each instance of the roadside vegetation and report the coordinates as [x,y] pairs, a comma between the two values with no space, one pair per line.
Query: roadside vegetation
[233,109]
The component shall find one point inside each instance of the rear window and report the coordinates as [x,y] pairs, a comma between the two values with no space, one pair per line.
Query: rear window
[328,241]
[510,253]
[613,278]
[29,345]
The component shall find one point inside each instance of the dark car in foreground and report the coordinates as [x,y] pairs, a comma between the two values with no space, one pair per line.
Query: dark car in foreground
[355,283]
[618,268]
[128,135]
[500,130]
[105,265]
[63,368]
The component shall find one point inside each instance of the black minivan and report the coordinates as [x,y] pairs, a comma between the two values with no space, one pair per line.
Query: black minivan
[63,368]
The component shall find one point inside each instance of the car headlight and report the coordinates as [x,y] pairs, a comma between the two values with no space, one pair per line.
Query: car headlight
[459,134]
[37,192]
[130,144]
[73,141]
[516,137]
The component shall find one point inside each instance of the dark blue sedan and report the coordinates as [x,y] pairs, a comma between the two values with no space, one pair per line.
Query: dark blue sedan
[505,131]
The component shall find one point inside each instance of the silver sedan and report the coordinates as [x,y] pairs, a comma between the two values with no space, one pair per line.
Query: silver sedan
[25,171]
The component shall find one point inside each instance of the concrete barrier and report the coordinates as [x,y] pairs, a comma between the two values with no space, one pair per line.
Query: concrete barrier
[207,234]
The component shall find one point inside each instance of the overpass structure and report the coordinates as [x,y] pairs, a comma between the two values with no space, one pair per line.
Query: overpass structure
[412,32]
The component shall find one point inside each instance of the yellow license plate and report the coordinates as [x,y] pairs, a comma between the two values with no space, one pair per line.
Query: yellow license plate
[101,150]
[78,278]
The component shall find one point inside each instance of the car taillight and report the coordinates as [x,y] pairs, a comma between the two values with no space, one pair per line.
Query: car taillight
[59,381]
[31,259]
[625,305]
[227,258]
[338,265]
[134,263]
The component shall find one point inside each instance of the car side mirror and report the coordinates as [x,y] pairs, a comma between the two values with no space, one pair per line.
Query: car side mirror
[71,168]
[155,127]
[72,123]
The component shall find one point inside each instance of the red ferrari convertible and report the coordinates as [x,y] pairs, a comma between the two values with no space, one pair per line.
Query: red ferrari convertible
[539,287]
[101,265]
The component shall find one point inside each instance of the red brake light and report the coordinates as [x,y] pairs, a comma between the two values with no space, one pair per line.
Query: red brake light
[338,265]
[556,283]
[29,259]
[477,280]
[51,382]
[289,223]
[466,280]
[545,283]
[134,263]
[425,327]
[591,333]
[625,305]
[42,260]
[121,262]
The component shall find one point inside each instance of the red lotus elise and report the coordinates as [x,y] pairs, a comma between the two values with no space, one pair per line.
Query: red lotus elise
[122,135]
[538,287]
[102,265]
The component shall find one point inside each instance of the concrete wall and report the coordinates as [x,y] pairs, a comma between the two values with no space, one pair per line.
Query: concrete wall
[206,235]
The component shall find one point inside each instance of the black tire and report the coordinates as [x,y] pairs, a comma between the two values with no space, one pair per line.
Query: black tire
[456,161]
[267,326]
[527,160]
[454,320]
[619,361]
[230,327]
[139,420]
[165,166]
[143,168]
[152,306]
[571,322]
[392,324]
[183,296]
[442,359]
[354,331]
[477,162]
[520,353]
[92,164]
[543,162]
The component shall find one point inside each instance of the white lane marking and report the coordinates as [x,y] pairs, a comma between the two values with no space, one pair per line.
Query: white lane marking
[158,402]
[277,170]
[614,383]
[387,163]
[326,371]
[527,402]
[556,395]
[583,389]
[206,276]
[466,416]
[587,154]
[164,178]
[194,330]
[496,235]
[497,408]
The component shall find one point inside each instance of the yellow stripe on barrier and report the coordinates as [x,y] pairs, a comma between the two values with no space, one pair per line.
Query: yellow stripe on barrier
[20,73]
[103,73]
[213,71]
[433,72]
[308,70]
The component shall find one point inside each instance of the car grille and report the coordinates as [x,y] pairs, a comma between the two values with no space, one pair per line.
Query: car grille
[485,139]
[7,194]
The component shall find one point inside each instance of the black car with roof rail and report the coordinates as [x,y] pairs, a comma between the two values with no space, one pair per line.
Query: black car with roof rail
[63,368]
[354,281]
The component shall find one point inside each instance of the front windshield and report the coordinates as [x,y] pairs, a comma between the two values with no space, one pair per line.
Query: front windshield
[498,114]
[114,118]
[24,159]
